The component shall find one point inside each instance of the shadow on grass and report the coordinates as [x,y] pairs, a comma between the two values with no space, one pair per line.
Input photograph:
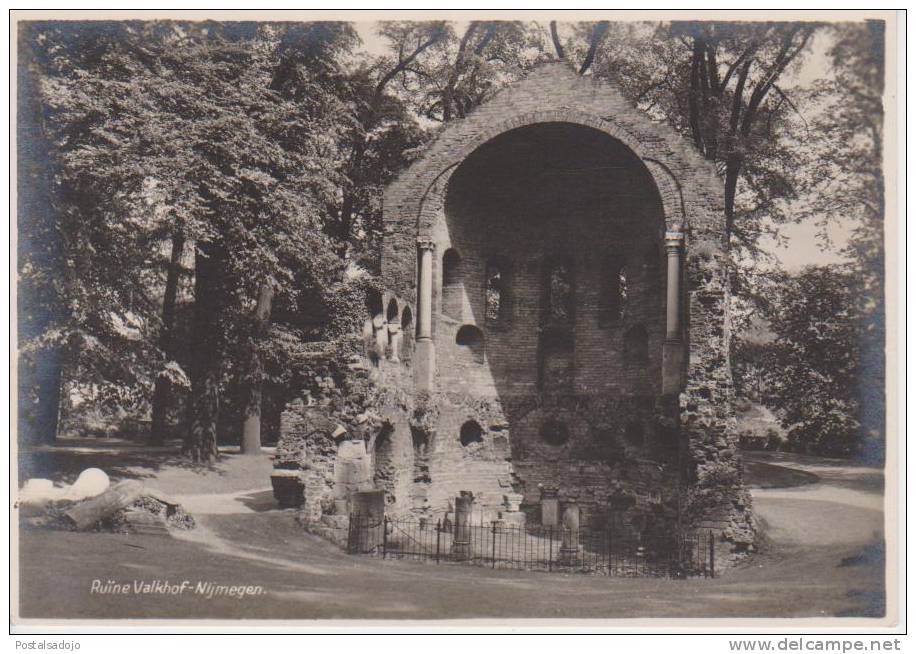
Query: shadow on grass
[119,459]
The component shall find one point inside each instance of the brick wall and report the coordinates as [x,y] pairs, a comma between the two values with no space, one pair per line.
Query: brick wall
[560,167]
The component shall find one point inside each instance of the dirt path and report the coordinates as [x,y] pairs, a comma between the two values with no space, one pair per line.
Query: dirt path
[822,560]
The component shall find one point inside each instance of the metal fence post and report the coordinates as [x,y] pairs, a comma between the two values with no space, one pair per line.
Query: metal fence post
[550,556]
[438,538]
[712,555]
[493,548]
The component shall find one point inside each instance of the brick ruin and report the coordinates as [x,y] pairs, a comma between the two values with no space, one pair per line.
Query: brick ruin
[554,321]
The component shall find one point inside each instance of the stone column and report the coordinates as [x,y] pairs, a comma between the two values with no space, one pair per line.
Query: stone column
[461,545]
[673,353]
[425,360]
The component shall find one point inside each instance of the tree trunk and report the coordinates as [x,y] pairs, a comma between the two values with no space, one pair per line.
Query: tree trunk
[252,393]
[166,338]
[200,440]
[38,423]
[87,513]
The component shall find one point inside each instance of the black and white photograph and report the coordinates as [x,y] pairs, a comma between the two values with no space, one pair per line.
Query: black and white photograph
[573,318]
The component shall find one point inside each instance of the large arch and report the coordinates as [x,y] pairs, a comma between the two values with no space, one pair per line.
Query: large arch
[669,190]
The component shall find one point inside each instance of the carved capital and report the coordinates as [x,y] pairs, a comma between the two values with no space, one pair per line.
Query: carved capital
[426,244]
[674,242]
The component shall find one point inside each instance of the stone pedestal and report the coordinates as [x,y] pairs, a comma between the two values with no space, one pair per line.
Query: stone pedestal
[368,510]
[352,473]
[513,518]
[550,507]
[513,501]
[569,549]
[461,545]
[289,491]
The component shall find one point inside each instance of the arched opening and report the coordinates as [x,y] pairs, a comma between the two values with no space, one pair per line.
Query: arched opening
[560,292]
[452,284]
[495,294]
[469,340]
[392,313]
[451,262]
[554,432]
[471,432]
[614,293]
[373,302]
[636,345]
[420,440]
[384,466]
[407,331]
[533,212]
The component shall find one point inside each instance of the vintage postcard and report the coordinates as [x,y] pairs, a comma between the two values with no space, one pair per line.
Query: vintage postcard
[582,317]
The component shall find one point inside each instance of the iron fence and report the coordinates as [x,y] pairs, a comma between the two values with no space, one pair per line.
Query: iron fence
[551,549]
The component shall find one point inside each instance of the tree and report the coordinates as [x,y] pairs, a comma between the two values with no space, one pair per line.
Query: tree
[846,188]
[813,383]
[719,85]
[179,128]
[85,237]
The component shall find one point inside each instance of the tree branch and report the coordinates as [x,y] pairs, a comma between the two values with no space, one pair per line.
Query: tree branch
[600,29]
[558,46]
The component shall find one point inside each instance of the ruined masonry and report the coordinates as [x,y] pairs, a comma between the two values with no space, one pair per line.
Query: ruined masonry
[554,327]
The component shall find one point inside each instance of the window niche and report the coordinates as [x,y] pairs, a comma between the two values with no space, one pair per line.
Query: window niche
[554,432]
[496,309]
[560,292]
[556,344]
[451,264]
[636,345]
[452,284]
[471,432]
[407,328]
[614,293]
[469,340]
[391,314]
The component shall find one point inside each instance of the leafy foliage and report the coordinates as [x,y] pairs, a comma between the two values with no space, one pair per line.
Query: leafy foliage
[812,372]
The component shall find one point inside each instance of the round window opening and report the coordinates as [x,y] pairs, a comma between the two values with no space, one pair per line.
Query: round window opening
[471,432]
[555,432]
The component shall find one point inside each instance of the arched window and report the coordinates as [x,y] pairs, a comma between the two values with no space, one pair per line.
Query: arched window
[495,292]
[406,321]
[407,331]
[392,313]
[614,291]
[452,285]
[374,302]
[451,262]
[559,292]
[636,344]
[469,340]
[471,432]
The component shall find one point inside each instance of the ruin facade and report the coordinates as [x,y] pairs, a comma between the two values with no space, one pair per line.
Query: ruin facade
[555,320]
